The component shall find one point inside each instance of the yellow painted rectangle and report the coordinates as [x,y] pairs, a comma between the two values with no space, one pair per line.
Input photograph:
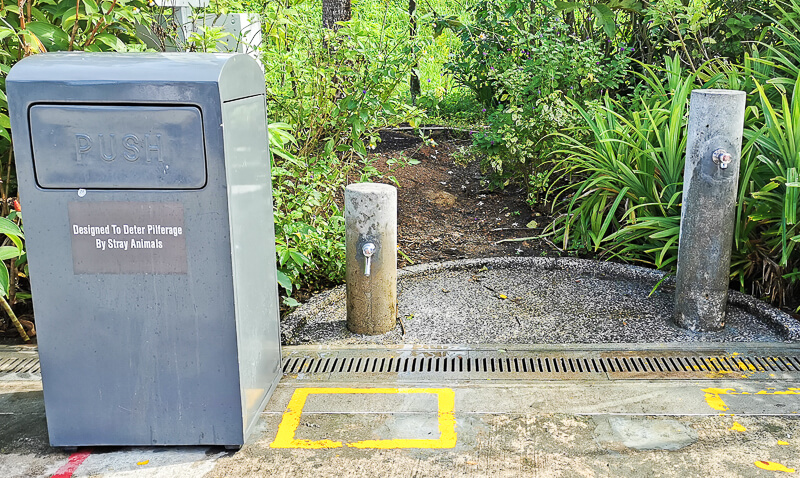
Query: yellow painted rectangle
[285,437]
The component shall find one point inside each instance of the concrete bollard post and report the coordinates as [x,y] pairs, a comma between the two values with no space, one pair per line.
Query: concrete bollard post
[370,215]
[708,214]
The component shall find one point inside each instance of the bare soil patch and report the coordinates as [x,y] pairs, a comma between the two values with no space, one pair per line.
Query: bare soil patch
[444,211]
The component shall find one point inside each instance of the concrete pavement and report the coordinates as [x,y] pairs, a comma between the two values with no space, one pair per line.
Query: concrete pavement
[374,426]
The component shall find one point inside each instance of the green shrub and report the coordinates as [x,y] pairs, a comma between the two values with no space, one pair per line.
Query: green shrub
[521,62]
[309,227]
[331,94]
[337,89]
[702,30]
[624,195]
[768,231]
[623,198]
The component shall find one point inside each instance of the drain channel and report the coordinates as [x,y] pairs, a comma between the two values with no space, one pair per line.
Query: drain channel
[343,365]
[17,365]
[516,365]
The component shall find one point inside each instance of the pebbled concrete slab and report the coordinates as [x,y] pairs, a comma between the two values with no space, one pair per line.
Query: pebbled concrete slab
[25,450]
[535,301]
[649,433]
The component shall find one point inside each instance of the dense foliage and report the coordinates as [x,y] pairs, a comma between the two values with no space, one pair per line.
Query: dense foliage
[335,90]
[624,194]
[521,60]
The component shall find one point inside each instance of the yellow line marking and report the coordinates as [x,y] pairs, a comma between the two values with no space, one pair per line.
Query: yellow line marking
[291,420]
[772,466]
[715,401]
[737,427]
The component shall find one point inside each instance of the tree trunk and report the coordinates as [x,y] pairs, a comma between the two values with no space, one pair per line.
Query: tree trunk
[412,34]
[14,320]
[335,11]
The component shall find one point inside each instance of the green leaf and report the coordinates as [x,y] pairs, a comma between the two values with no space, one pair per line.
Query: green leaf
[8,252]
[90,6]
[358,127]
[627,5]
[299,258]
[285,282]
[512,9]
[358,145]
[4,121]
[291,302]
[566,6]
[9,228]
[3,280]
[283,254]
[5,33]
[68,19]
[606,18]
[22,260]
[791,197]
[111,41]
[16,240]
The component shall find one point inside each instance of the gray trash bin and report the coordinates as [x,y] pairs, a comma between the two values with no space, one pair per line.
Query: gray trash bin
[147,204]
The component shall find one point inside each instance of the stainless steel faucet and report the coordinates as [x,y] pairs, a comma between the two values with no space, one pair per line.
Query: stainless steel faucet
[367,249]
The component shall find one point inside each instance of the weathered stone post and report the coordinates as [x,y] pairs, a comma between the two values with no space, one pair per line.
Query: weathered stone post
[370,215]
[708,214]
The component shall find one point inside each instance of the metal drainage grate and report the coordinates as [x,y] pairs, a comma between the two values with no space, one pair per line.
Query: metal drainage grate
[9,365]
[477,365]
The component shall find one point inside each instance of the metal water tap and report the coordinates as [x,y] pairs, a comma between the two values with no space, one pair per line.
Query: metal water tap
[721,157]
[367,249]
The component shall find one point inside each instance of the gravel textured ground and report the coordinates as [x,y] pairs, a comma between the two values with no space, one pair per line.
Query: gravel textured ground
[530,300]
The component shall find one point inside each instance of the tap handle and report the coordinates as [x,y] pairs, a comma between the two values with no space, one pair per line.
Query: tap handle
[721,157]
[368,249]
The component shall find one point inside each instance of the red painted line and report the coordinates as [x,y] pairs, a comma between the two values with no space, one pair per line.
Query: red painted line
[72,464]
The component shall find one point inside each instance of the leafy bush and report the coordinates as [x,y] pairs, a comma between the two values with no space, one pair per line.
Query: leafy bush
[770,189]
[11,250]
[512,51]
[309,227]
[520,62]
[626,180]
[701,30]
[333,91]
[337,89]
[771,194]
[624,196]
